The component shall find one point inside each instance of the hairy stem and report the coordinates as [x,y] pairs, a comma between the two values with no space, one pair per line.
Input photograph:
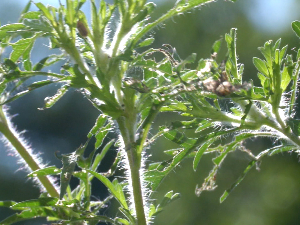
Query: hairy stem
[136,186]
[25,155]
[127,130]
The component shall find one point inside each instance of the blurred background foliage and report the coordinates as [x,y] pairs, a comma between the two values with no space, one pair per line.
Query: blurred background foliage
[267,196]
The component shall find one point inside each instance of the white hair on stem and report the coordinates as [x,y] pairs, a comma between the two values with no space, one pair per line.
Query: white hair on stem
[35,156]
[124,164]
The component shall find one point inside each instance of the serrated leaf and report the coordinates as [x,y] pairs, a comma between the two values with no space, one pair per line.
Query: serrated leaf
[4,30]
[22,46]
[40,24]
[50,101]
[266,50]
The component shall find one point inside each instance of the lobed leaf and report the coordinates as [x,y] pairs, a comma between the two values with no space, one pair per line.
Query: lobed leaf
[22,47]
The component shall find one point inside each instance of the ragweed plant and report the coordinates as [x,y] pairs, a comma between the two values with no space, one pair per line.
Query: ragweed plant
[100,61]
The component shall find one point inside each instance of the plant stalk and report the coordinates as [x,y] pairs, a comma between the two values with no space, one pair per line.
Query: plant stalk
[25,155]
[134,159]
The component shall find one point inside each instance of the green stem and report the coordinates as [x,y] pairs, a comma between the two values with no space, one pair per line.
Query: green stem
[25,155]
[136,186]
[145,127]
[127,130]
[294,89]
[73,52]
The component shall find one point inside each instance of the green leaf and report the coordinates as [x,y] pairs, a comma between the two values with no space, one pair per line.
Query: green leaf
[280,149]
[167,199]
[39,66]
[4,30]
[51,170]
[40,24]
[101,120]
[92,219]
[101,155]
[236,183]
[261,66]
[201,151]
[267,53]
[286,78]
[146,42]
[191,124]
[230,147]
[157,173]
[294,124]
[27,7]
[296,27]
[113,187]
[50,101]
[36,203]
[31,15]
[128,215]
[231,45]
[69,163]
[203,125]
[45,11]
[22,47]
[216,46]
[28,214]
[7,203]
